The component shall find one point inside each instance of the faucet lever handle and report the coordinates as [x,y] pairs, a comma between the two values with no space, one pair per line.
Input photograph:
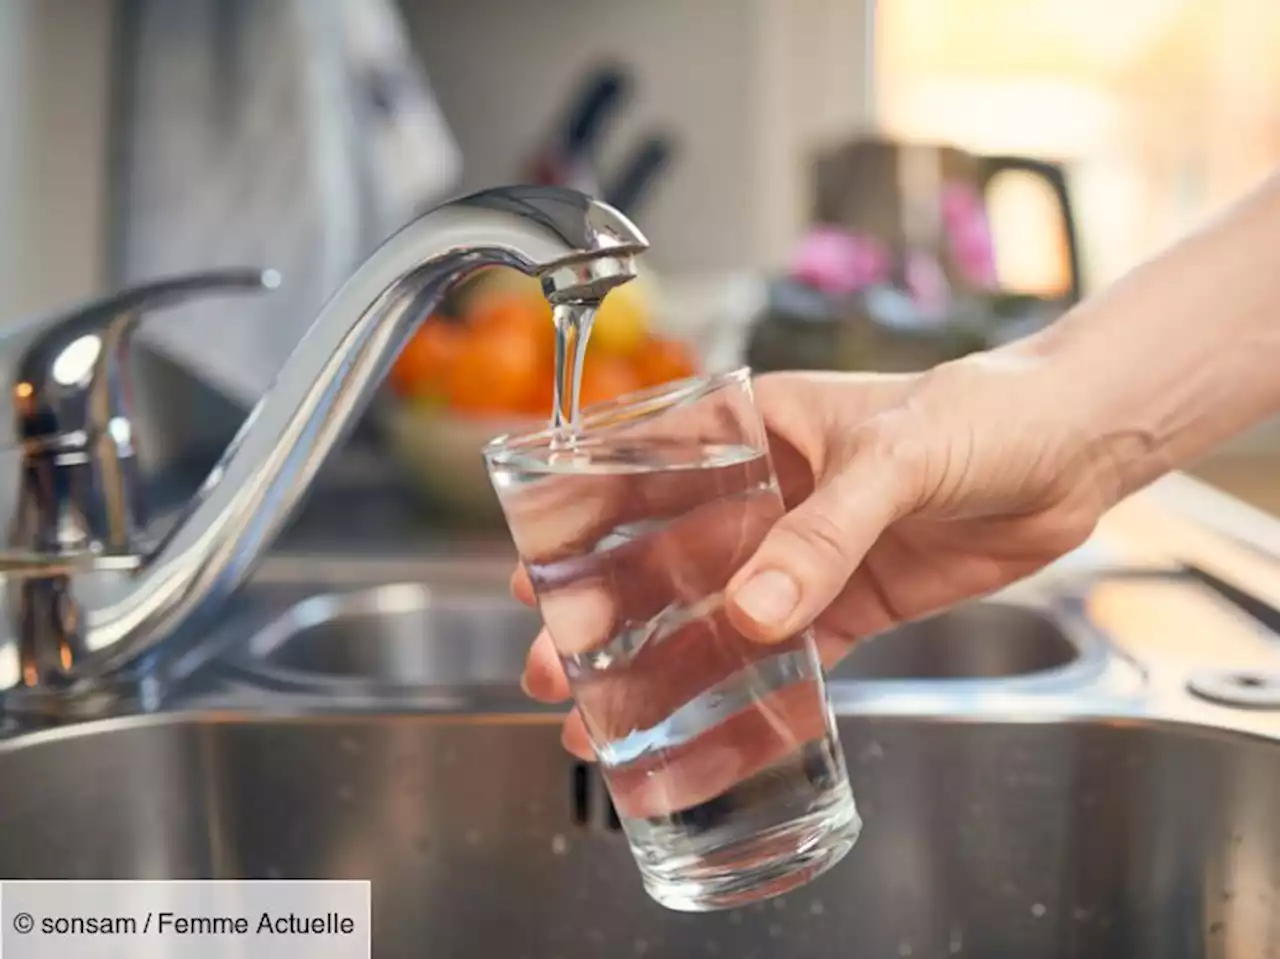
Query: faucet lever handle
[72,415]
[66,375]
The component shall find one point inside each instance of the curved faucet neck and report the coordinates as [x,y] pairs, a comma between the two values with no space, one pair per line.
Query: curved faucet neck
[578,246]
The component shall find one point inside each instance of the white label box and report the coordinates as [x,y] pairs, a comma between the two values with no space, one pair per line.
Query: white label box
[194,919]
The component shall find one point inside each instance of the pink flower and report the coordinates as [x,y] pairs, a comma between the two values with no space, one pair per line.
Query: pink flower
[840,262]
[926,283]
[969,232]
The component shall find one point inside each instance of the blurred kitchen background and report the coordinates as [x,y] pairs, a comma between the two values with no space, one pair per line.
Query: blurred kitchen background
[826,183]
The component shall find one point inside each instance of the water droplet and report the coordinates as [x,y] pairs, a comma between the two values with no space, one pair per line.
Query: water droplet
[775,931]
[1038,910]
[735,918]
[870,753]
[641,946]
[816,908]
[780,903]
[1081,915]
[473,837]
[956,943]
[559,845]
[905,949]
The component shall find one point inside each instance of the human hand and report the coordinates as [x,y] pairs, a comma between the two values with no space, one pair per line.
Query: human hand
[905,495]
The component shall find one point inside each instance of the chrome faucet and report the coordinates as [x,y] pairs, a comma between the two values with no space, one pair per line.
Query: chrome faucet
[74,510]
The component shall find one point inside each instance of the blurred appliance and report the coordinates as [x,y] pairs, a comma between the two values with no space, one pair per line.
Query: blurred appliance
[930,207]
[920,253]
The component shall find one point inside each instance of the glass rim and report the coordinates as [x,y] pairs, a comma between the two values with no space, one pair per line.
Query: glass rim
[600,419]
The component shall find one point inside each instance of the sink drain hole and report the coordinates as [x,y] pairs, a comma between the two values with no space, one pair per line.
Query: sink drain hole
[580,795]
[587,793]
[1239,688]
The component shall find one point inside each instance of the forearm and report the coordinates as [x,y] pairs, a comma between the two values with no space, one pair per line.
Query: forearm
[1178,356]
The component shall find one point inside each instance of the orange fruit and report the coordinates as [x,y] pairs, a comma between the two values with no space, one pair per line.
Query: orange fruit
[539,401]
[661,360]
[505,309]
[498,369]
[605,377]
[423,362]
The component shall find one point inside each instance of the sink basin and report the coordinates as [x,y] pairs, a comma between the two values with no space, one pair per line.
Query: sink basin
[413,636]
[986,640]
[1072,840]
[403,635]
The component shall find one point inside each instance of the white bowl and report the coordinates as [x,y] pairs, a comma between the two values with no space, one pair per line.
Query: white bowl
[440,452]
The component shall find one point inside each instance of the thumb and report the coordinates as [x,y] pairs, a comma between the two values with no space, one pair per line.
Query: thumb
[808,556]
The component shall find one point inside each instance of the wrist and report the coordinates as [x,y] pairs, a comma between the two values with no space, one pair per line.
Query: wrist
[1176,357]
[1113,437]
[1012,428]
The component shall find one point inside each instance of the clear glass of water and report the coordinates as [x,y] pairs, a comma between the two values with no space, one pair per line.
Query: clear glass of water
[720,754]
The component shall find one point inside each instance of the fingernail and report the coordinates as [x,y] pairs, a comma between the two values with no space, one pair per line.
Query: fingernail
[524,684]
[769,597]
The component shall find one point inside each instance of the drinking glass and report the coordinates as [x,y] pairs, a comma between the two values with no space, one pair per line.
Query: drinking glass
[720,754]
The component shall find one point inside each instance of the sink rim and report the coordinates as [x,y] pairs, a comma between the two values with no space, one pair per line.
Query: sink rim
[1064,613]
[1104,680]
[248,660]
[199,717]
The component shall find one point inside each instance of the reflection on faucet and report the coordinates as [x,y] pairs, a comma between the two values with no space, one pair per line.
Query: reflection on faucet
[77,494]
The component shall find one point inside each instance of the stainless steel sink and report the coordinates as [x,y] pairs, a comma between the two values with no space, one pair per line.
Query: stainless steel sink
[407,634]
[1075,839]
[983,640]
[1028,787]
[411,635]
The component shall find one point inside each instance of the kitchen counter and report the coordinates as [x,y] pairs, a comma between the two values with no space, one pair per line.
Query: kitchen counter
[1253,477]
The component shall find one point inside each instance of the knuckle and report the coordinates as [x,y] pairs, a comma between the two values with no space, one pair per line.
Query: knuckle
[898,444]
[823,537]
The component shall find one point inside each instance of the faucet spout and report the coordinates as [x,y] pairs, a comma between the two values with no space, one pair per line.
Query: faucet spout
[579,247]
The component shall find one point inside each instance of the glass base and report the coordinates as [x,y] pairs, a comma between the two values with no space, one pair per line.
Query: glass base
[761,866]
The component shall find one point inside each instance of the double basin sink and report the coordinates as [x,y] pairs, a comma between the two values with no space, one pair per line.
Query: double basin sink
[1030,784]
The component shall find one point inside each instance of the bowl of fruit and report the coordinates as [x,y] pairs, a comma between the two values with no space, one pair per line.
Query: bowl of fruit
[484,365]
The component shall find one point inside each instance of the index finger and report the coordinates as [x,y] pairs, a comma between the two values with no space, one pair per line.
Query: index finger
[521,586]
